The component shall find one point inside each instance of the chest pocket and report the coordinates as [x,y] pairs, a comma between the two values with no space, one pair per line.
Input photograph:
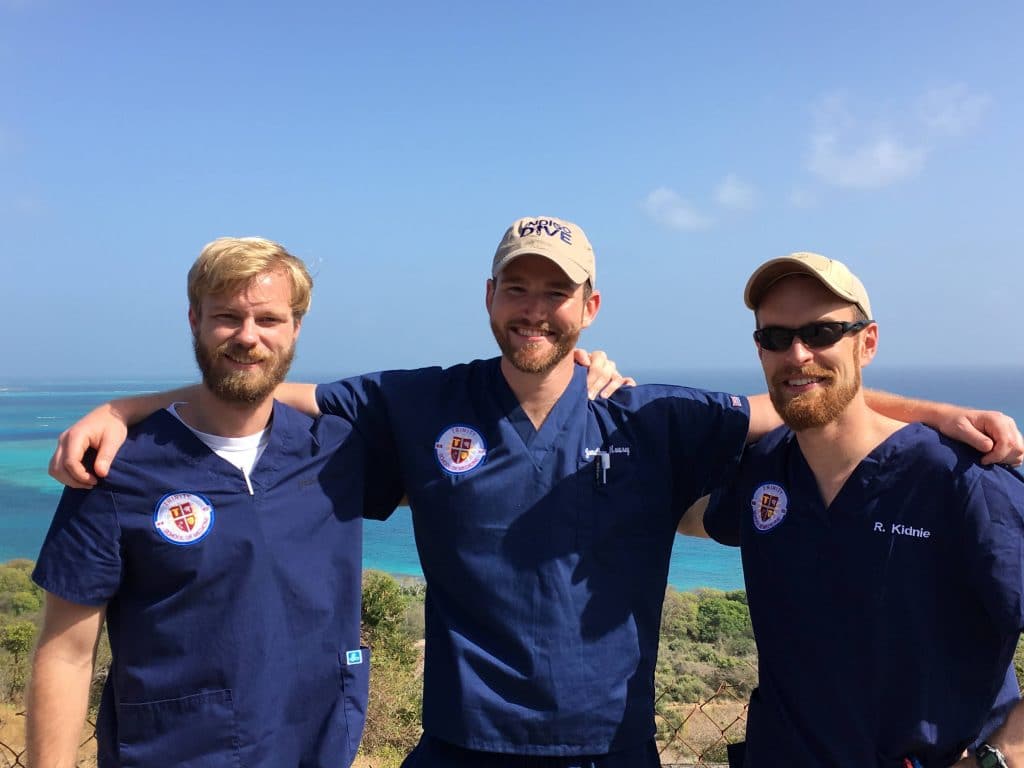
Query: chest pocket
[618,506]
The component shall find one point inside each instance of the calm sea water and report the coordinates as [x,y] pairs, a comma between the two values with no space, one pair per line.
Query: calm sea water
[33,413]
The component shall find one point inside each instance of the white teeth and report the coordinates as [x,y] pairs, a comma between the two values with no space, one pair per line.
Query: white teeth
[801,382]
[531,332]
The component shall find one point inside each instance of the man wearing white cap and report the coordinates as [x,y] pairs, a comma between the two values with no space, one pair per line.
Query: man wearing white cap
[544,521]
[883,563]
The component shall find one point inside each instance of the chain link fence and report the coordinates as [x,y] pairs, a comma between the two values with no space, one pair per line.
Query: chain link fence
[688,735]
[699,734]
[14,755]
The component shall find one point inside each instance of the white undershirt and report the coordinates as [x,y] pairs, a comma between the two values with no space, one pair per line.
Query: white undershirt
[241,452]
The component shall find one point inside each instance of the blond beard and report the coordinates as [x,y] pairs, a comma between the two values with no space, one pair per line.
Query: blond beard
[241,386]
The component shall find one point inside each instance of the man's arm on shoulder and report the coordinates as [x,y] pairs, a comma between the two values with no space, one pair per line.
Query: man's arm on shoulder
[104,428]
[603,377]
[58,696]
[993,433]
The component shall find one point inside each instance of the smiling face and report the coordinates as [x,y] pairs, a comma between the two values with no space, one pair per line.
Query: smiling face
[245,341]
[812,387]
[537,313]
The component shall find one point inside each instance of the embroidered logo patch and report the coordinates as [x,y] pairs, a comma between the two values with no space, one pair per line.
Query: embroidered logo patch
[769,504]
[353,657]
[460,449]
[183,518]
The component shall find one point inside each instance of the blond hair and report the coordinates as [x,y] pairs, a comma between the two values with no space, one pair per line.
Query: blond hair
[231,263]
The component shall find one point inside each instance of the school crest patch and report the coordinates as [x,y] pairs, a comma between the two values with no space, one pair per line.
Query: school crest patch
[460,449]
[769,504]
[183,518]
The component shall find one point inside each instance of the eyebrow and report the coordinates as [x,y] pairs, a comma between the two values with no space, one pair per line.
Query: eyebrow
[564,284]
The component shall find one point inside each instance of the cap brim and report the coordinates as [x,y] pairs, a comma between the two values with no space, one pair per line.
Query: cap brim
[572,270]
[772,271]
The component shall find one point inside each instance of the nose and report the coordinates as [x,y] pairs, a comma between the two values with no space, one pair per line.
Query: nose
[533,306]
[248,332]
[798,353]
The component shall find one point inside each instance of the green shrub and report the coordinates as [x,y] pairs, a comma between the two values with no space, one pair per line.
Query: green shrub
[737,596]
[20,603]
[18,638]
[719,619]
[384,617]
[383,604]
[678,616]
[740,646]
[393,714]
[13,580]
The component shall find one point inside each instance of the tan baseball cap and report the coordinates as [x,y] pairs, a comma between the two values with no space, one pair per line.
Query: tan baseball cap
[833,274]
[562,242]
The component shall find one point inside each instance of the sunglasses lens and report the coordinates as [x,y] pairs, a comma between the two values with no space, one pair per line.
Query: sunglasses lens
[775,339]
[821,334]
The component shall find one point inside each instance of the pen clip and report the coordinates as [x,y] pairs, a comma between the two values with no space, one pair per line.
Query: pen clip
[602,462]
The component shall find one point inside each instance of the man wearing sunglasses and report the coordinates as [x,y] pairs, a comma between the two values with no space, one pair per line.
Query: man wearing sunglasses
[883,562]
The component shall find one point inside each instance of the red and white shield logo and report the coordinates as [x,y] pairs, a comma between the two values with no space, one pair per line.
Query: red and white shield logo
[182,517]
[459,449]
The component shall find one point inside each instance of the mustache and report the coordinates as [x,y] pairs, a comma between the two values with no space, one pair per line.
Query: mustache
[806,372]
[523,323]
[240,354]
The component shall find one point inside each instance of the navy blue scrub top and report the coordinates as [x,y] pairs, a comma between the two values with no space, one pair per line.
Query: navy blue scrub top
[233,618]
[545,552]
[885,624]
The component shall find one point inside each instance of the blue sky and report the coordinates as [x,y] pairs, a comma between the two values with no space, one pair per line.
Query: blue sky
[390,145]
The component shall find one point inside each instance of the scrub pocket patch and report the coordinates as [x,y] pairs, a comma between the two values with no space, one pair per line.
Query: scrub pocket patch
[199,731]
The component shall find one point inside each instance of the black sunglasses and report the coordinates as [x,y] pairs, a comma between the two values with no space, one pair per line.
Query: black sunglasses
[775,338]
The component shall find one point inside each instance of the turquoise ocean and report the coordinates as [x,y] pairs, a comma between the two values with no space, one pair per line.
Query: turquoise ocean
[33,413]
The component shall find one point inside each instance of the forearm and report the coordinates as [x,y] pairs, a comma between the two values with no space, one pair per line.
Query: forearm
[301,397]
[1008,739]
[57,705]
[993,434]
[763,417]
[132,410]
[909,409]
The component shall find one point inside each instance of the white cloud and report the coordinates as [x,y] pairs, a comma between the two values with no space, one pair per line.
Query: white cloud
[892,146]
[731,192]
[953,110]
[876,162]
[666,207]
[849,152]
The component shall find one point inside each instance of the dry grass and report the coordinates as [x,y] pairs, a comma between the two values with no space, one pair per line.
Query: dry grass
[12,740]
[705,729]
[12,744]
